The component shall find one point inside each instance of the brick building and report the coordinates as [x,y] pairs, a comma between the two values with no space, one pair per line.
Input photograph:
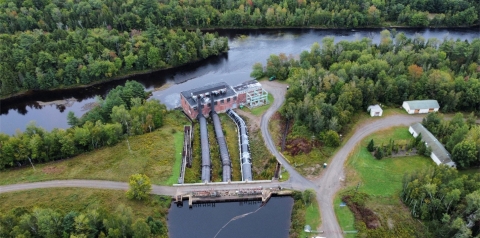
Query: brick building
[223,97]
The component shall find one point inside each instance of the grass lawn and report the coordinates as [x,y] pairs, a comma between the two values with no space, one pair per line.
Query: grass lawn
[154,154]
[382,181]
[81,200]
[312,216]
[258,111]
[344,216]
[178,159]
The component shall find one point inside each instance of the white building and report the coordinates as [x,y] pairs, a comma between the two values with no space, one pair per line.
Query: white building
[439,154]
[421,106]
[375,110]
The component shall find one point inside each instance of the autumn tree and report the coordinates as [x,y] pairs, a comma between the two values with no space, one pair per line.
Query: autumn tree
[140,187]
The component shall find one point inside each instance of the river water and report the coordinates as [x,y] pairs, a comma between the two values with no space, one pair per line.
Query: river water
[233,67]
[238,219]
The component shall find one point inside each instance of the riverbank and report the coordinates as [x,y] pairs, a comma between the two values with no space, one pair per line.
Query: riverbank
[381,27]
[62,89]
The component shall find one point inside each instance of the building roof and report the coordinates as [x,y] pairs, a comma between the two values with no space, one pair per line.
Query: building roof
[223,91]
[246,86]
[423,104]
[375,108]
[432,142]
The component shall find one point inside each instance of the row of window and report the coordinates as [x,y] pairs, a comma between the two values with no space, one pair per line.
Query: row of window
[216,102]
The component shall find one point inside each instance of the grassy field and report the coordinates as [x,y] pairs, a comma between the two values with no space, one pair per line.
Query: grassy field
[154,154]
[179,137]
[381,180]
[344,216]
[312,216]
[81,200]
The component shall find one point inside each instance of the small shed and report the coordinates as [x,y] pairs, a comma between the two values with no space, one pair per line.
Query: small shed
[421,106]
[375,110]
[439,154]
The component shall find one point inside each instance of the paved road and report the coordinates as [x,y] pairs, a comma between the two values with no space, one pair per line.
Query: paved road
[159,190]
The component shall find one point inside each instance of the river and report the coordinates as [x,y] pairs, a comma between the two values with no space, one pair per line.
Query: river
[232,220]
[233,67]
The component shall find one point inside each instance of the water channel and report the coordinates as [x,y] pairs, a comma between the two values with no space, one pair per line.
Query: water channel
[233,67]
[232,220]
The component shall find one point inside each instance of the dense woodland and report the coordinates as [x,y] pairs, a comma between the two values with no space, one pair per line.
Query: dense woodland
[461,137]
[42,60]
[333,81]
[447,201]
[46,222]
[123,15]
[122,113]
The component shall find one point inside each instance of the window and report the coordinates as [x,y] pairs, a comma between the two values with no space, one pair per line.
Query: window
[235,98]
[228,99]
[222,101]
[216,103]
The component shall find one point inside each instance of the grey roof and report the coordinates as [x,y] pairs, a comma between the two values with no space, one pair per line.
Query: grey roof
[423,104]
[247,85]
[375,108]
[432,142]
[206,89]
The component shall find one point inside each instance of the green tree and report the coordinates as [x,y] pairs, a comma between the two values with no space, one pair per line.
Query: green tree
[72,120]
[371,146]
[332,139]
[379,153]
[257,71]
[140,229]
[140,187]
[464,153]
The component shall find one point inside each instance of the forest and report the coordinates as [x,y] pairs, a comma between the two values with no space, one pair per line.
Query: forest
[46,222]
[123,15]
[122,113]
[33,60]
[332,82]
[447,201]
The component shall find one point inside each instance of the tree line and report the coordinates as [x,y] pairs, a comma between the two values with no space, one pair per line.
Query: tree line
[331,82]
[47,15]
[460,136]
[46,222]
[36,59]
[446,200]
[122,113]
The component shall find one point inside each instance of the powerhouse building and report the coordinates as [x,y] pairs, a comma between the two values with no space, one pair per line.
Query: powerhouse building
[222,97]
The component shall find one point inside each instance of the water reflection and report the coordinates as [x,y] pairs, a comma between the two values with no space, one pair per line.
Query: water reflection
[234,219]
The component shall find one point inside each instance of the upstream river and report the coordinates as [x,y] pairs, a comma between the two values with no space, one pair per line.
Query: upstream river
[234,67]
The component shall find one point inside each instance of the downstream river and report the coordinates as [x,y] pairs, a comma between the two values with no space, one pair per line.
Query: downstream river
[232,219]
[49,109]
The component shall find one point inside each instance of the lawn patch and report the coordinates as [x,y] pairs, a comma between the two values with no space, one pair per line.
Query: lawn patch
[83,199]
